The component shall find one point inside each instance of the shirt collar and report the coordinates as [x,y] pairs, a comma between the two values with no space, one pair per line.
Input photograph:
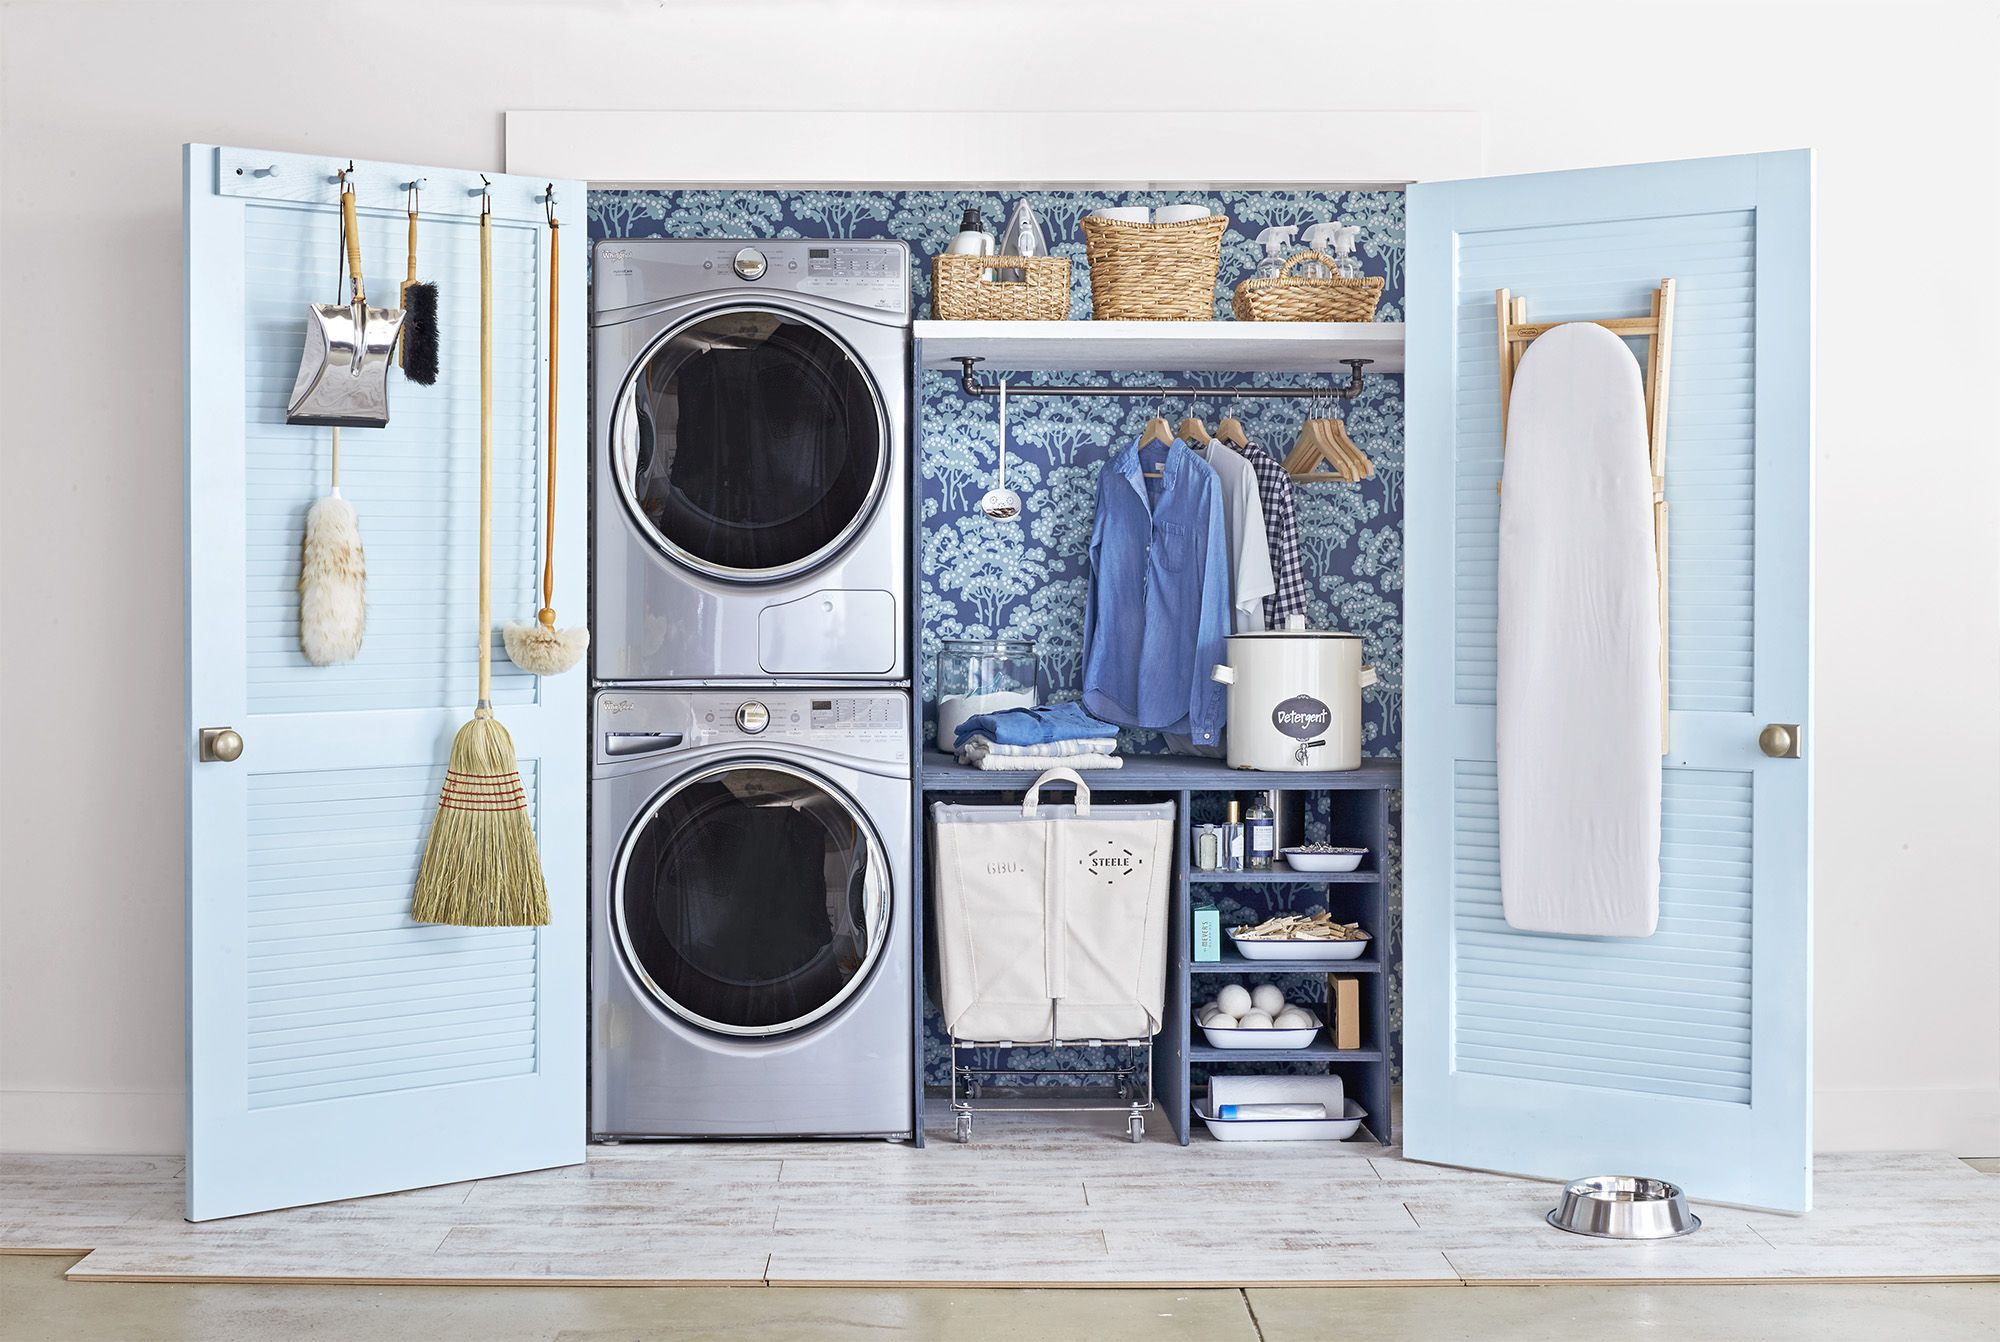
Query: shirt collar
[1129,465]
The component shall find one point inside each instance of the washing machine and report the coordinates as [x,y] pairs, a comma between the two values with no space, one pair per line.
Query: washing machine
[752,955]
[750,406]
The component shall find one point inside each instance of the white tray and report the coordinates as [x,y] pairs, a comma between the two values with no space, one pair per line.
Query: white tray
[1302,949]
[1241,1038]
[1284,1129]
[1321,863]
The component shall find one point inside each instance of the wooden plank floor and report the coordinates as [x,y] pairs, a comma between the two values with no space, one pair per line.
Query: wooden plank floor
[1033,1201]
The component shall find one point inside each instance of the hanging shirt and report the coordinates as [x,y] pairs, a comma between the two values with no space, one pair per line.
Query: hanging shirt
[1157,618]
[1250,580]
[1281,537]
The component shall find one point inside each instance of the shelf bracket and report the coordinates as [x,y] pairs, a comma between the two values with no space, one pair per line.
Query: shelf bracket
[973,387]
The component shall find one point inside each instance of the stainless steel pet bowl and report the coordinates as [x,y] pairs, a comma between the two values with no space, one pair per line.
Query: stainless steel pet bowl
[1624,1206]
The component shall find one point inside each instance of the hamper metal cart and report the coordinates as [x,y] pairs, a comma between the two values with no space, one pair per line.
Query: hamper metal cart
[1052,931]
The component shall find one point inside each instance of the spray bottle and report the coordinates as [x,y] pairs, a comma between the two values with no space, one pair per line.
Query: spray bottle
[1275,241]
[1345,240]
[1320,238]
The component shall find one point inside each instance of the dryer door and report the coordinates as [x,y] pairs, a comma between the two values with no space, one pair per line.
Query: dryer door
[751,899]
[751,444]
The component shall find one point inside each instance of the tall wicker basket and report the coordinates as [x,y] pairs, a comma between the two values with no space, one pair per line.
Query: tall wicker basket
[1154,272]
[1285,299]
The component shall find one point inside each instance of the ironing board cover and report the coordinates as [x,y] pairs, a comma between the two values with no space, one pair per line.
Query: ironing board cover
[1578,699]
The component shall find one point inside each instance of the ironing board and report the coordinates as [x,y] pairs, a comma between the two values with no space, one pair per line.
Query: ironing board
[1579,644]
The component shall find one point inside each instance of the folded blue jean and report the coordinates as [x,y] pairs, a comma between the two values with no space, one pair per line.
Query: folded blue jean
[1034,726]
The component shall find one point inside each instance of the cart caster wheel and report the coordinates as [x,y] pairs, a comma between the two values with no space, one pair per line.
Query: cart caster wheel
[972,1090]
[1136,1130]
[964,1133]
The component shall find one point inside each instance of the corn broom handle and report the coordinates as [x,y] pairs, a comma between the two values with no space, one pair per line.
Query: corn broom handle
[353,232]
[548,611]
[485,465]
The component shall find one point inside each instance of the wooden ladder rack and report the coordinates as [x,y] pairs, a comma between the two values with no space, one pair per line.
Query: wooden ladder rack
[1517,333]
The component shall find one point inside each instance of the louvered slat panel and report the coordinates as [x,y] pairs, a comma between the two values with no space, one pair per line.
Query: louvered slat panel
[345,994]
[414,485]
[1665,1015]
[1585,270]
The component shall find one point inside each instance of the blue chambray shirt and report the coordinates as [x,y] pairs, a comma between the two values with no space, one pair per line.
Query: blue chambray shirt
[1157,619]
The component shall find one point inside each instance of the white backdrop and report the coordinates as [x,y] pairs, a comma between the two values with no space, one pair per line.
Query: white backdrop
[99,94]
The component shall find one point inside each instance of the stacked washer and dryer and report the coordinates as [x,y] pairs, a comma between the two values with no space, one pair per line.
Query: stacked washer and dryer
[752,932]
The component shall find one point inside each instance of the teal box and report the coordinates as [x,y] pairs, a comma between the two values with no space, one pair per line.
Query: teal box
[1207,935]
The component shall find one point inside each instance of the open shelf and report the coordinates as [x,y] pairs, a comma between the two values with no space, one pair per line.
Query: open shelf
[1285,876]
[1233,963]
[1172,773]
[1142,347]
[1208,1054]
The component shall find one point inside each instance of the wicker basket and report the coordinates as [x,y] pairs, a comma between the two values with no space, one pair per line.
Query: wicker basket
[1285,299]
[1154,272]
[960,290]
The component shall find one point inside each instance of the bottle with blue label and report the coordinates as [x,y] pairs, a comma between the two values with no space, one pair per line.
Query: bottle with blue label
[1260,835]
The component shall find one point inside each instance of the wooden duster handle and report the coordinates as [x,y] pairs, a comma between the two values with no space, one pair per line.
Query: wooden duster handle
[485,708]
[548,611]
[410,275]
[353,233]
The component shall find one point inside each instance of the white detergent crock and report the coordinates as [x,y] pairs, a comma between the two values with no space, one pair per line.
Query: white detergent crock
[1294,699]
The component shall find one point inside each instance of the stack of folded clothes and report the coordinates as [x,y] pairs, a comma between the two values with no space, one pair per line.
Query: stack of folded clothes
[1038,738]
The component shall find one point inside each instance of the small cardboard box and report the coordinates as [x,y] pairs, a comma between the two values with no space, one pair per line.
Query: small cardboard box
[1207,935]
[1343,998]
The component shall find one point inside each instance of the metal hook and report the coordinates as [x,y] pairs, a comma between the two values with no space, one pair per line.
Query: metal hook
[485,194]
[415,188]
[549,203]
[342,175]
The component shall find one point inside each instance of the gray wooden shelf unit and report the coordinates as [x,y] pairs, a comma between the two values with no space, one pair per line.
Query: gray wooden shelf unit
[1357,808]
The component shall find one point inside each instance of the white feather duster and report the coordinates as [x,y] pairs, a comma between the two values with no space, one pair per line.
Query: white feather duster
[543,649]
[333,575]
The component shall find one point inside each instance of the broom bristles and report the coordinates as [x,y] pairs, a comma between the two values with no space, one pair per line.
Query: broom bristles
[420,333]
[480,865]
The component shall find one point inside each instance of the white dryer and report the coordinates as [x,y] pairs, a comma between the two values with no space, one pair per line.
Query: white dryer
[750,406]
[752,926]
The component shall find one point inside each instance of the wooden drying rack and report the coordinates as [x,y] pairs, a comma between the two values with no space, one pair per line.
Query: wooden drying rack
[1517,333]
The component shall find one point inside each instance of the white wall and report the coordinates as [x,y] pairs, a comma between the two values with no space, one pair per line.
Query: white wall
[1900,102]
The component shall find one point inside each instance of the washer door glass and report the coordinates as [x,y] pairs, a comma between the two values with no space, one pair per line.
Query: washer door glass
[752,899]
[752,444]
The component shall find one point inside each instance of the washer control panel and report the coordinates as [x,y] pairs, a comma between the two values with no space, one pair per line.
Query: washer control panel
[632,271]
[662,723]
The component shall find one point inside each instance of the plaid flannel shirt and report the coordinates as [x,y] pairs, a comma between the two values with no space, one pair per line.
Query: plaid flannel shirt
[1281,531]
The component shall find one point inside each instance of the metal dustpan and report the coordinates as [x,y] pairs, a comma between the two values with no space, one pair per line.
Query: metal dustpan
[350,347]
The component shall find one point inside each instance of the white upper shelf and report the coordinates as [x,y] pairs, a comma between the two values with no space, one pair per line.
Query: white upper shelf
[1145,347]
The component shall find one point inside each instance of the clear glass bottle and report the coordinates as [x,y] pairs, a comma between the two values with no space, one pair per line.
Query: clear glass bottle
[1260,834]
[1232,837]
[982,675]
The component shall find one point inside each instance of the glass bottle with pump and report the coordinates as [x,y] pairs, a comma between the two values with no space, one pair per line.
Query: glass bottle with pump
[1232,837]
[1260,834]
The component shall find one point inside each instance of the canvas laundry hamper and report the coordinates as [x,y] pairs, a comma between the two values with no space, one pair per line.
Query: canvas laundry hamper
[1052,919]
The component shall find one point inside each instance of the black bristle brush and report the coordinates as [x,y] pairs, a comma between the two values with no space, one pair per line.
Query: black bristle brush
[420,314]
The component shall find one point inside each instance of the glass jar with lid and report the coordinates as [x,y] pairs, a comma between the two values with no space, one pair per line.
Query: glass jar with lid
[983,675]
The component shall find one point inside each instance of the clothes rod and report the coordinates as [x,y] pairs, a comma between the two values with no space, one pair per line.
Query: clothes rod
[973,388]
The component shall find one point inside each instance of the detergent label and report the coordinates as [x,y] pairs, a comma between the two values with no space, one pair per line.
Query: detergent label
[1301,717]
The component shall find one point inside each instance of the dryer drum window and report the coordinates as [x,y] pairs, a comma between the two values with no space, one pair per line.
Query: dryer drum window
[752,899]
[752,444]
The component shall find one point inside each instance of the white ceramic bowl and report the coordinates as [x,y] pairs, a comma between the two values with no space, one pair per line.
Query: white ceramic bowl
[1284,1129]
[1303,949]
[1350,860]
[1237,1037]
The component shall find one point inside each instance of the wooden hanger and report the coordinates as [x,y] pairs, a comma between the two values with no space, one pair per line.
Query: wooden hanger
[1192,430]
[1230,431]
[1325,452]
[1157,430]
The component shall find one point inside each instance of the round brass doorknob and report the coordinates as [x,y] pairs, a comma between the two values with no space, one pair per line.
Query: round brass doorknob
[221,744]
[1777,741]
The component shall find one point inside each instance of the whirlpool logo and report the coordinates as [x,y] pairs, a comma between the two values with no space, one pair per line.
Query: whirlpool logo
[1301,717]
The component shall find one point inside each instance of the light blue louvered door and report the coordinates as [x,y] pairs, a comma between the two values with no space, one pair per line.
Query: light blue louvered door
[1684,1055]
[335,1047]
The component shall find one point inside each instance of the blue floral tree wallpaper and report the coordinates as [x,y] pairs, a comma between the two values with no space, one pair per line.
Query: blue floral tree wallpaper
[1027,578]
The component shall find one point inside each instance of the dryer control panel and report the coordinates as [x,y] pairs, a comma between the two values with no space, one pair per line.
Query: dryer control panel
[632,271]
[634,723]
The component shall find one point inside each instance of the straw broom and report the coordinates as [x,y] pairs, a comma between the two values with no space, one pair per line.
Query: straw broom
[480,866]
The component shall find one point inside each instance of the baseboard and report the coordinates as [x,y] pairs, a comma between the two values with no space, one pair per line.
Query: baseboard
[1963,1122]
[149,1122]
[93,1122]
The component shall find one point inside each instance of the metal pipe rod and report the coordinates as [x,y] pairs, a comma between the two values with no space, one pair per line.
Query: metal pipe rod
[974,388]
